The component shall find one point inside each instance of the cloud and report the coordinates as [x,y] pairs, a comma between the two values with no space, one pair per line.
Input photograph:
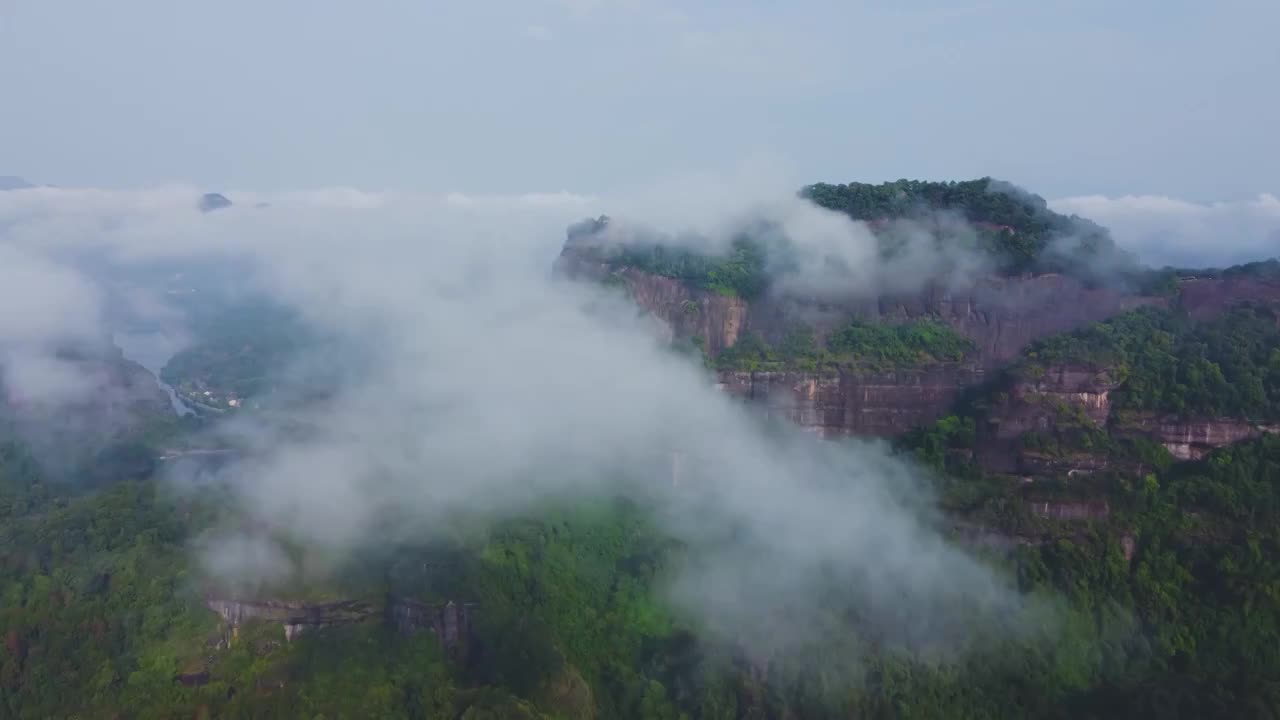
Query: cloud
[482,386]
[47,308]
[826,252]
[1167,231]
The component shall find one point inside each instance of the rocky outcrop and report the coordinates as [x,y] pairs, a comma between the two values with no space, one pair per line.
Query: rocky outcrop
[851,402]
[1069,399]
[1192,438]
[450,623]
[296,617]
[1001,315]
[1070,510]
[1210,297]
[684,312]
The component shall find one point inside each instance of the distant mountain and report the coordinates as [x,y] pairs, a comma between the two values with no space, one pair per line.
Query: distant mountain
[13,182]
[213,201]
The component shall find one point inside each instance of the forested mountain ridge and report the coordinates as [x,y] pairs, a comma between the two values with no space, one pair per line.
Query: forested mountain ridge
[1060,421]
[880,364]
[1020,230]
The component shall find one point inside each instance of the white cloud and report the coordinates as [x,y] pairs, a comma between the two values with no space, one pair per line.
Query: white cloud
[1168,231]
[493,387]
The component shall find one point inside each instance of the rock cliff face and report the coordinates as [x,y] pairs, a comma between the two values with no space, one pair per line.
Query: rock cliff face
[1001,315]
[1207,298]
[846,402]
[450,622]
[1193,438]
[684,312]
[1072,396]
[1084,510]
[296,617]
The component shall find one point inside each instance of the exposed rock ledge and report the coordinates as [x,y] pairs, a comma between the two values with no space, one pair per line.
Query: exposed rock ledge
[449,622]
[294,616]
[837,403]
[1193,438]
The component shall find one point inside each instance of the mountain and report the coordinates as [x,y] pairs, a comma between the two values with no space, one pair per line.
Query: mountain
[213,201]
[1114,435]
[118,413]
[822,359]
[1102,437]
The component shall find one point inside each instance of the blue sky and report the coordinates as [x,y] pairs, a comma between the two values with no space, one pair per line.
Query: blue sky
[1068,98]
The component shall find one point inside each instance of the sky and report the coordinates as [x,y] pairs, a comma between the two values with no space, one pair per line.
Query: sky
[1069,99]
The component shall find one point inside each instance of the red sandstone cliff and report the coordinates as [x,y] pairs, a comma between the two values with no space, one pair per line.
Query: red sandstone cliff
[1001,315]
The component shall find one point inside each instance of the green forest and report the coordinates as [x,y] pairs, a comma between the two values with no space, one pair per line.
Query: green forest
[741,272]
[1017,227]
[857,345]
[1013,228]
[1166,363]
[101,616]
[1162,603]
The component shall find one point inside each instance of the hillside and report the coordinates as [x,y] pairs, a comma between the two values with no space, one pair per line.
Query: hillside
[1016,227]
[117,415]
[1109,447]
[853,364]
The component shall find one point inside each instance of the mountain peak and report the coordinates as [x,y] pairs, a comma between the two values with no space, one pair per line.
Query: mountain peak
[213,201]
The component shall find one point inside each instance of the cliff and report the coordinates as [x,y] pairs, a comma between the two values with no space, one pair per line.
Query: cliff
[295,617]
[450,622]
[1205,298]
[1001,315]
[1191,438]
[1069,409]
[850,402]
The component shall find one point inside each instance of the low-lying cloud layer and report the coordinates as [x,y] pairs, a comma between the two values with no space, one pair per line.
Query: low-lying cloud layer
[1167,231]
[487,387]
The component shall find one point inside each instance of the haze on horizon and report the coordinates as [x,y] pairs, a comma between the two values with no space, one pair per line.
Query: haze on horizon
[1149,117]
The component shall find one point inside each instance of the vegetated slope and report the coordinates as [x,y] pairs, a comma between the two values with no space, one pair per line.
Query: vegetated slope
[843,365]
[1017,227]
[1092,400]
[245,351]
[1169,611]
[1163,573]
[1046,272]
[115,414]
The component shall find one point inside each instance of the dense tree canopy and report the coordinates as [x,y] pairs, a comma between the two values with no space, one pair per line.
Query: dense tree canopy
[1018,228]
[868,346]
[1168,363]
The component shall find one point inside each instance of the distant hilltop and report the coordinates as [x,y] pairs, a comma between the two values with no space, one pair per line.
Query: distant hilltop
[213,201]
[13,182]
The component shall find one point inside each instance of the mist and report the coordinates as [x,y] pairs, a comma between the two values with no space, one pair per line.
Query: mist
[482,385]
[1166,231]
